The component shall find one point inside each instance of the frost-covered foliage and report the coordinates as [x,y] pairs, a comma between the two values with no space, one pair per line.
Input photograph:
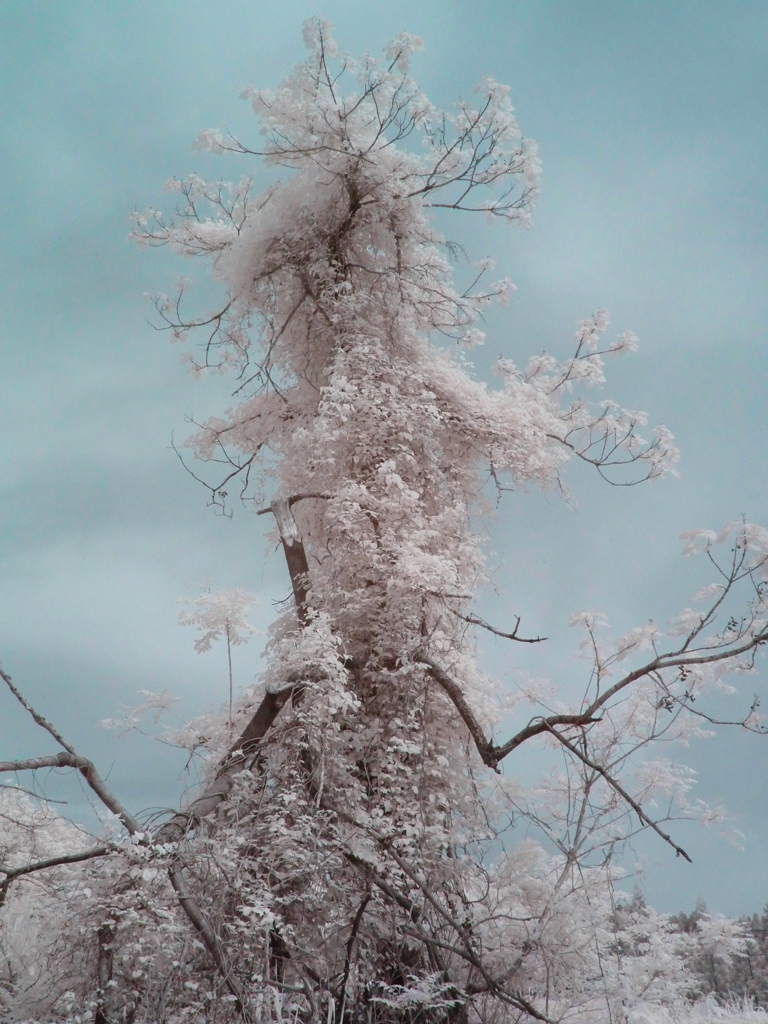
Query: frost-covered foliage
[220,614]
[32,832]
[714,969]
[352,856]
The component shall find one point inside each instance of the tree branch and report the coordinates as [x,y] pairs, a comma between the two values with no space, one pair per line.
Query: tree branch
[537,727]
[484,746]
[676,660]
[89,773]
[42,722]
[350,946]
[275,696]
[192,909]
[415,914]
[243,748]
[621,791]
[293,548]
[491,754]
[515,999]
[475,620]
[11,874]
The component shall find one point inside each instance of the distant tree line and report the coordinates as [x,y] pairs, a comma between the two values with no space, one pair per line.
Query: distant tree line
[728,961]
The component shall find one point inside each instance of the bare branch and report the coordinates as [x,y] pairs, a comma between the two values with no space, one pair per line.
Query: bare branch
[295,555]
[489,752]
[84,766]
[243,748]
[452,688]
[466,951]
[89,773]
[350,947]
[51,862]
[475,620]
[621,791]
[676,660]
[538,726]
[42,722]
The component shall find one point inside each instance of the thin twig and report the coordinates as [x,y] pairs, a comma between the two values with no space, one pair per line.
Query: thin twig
[475,620]
[350,946]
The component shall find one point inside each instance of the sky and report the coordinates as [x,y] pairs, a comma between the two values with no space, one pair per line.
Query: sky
[653,131]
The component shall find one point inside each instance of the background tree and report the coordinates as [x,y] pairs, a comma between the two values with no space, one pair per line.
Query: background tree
[346,859]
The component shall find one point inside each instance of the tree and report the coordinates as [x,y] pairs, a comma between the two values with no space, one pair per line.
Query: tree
[351,855]
[221,614]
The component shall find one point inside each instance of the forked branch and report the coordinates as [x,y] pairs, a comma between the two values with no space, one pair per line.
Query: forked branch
[492,754]
[89,773]
[71,759]
[475,620]
[621,791]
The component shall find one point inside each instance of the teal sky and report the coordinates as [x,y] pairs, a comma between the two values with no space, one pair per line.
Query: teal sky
[652,123]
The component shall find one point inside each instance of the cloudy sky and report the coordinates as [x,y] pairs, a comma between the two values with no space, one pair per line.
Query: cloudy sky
[652,125]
